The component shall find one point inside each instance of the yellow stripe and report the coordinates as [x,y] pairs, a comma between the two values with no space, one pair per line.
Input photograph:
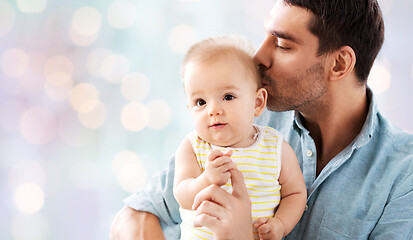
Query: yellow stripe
[257,165]
[207,148]
[252,150]
[266,146]
[265,202]
[201,154]
[252,164]
[259,179]
[276,194]
[265,159]
[263,217]
[200,236]
[252,185]
[256,190]
[262,210]
[269,140]
[204,231]
[245,171]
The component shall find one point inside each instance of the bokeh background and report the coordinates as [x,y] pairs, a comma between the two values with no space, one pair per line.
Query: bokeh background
[91,102]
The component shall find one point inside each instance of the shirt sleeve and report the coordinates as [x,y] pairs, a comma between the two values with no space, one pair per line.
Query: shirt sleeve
[157,198]
[396,221]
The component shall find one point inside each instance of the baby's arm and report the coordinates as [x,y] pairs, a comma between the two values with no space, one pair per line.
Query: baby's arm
[293,199]
[189,179]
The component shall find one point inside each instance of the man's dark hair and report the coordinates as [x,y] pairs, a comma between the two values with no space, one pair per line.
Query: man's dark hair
[355,23]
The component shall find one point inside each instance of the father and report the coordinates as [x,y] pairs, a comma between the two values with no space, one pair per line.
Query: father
[357,166]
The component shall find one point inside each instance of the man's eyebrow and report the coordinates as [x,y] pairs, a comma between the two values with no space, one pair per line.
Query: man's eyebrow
[287,36]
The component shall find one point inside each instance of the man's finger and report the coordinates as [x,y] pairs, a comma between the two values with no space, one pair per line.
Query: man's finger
[239,190]
[205,220]
[214,194]
[211,209]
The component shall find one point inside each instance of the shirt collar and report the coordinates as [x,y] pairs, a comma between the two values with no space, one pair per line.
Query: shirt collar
[367,130]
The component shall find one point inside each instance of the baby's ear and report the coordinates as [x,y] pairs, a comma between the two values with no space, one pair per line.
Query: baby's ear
[260,101]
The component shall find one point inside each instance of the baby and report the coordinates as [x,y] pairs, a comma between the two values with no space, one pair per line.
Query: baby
[222,87]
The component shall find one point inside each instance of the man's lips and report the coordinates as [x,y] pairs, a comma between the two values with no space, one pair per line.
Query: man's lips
[217,125]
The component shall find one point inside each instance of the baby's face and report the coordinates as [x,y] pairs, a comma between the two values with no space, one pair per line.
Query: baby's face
[221,99]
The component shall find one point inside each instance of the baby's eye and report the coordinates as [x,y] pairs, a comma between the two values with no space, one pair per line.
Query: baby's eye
[229,97]
[200,102]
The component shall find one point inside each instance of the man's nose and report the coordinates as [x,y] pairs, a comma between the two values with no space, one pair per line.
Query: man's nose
[263,57]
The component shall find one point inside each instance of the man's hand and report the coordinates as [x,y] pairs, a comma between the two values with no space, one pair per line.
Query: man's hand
[218,166]
[270,228]
[130,224]
[227,215]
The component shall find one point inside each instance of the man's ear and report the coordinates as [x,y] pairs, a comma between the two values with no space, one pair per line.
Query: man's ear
[260,101]
[343,63]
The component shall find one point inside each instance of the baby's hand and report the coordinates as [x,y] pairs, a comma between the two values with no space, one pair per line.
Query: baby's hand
[218,166]
[270,228]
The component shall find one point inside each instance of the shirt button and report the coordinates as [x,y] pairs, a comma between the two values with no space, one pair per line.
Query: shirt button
[309,153]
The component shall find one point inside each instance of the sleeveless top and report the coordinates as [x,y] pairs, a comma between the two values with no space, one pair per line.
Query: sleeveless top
[260,165]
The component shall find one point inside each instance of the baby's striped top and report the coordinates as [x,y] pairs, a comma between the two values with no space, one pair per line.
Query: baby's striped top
[260,164]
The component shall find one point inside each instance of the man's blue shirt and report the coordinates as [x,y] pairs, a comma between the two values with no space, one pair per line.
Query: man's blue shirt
[365,192]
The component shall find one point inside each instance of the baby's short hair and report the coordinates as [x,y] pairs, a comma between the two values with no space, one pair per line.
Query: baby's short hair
[229,46]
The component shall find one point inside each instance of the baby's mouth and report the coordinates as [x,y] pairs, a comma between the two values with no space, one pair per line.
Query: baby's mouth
[218,125]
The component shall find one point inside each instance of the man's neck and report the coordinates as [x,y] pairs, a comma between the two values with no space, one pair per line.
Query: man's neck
[335,124]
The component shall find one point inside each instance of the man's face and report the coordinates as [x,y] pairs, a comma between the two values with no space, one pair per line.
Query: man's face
[292,72]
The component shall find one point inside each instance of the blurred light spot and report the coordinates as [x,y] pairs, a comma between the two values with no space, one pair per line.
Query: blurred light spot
[84,175]
[14,62]
[86,21]
[58,86]
[82,40]
[82,93]
[159,114]
[129,171]
[33,227]
[379,79]
[121,14]
[37,125]
[95,60]
[29,198]
[60,64]
[31,5]
[135,116]
[73,133]
[10,113]
[6,17]
[33,79]
[135,87]
[26,171]
[181,38]
[92,114]
[114,68]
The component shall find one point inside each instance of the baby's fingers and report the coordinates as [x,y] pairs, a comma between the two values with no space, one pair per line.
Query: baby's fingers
[214,154]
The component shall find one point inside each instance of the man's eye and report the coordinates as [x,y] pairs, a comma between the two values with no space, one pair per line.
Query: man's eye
[229,97]
[282,48]
[200,102]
